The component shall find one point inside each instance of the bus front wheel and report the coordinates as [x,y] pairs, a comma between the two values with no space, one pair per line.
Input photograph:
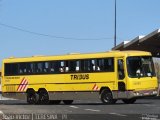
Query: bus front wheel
[129,101]
[107,98]
[32,97]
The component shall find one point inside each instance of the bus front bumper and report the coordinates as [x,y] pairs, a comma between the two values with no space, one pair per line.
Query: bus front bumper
[144,93]
[134,94]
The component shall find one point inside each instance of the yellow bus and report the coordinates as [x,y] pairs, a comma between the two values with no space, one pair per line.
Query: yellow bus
[108,76]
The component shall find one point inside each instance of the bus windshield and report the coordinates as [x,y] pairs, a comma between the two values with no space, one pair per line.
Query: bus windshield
[140,67]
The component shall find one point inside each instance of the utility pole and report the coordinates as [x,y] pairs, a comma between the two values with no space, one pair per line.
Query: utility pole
[115,25]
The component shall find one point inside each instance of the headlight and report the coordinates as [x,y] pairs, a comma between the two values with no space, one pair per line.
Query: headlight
[136,94]
[154,92]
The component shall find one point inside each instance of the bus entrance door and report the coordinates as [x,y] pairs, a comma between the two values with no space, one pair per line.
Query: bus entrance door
[121,75]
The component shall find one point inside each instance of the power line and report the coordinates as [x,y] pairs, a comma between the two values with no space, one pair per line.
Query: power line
[48,35]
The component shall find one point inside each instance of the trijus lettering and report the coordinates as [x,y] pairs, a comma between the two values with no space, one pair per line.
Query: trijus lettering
[80,77]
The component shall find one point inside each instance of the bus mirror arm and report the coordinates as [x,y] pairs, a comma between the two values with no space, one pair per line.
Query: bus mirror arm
[138,75]
[151,74]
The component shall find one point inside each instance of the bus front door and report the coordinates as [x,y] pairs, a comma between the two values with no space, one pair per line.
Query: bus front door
[121,75]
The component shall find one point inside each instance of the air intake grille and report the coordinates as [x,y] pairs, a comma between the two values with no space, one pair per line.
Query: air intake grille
[10,88]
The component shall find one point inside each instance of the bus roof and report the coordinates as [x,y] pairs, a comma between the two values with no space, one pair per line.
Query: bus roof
[78,56]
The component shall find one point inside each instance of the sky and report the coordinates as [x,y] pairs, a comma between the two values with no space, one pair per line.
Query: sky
[52,27]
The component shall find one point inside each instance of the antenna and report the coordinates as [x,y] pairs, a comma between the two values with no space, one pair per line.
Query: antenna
[115,25]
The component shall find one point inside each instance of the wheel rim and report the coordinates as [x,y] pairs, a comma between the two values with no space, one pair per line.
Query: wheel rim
[43,97]
[31,98]
[107,98]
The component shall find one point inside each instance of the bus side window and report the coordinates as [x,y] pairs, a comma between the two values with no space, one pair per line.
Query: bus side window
[66,66]
[73,65]
[61,68]
[56,66]
[96,63]
[93,63]
[77,66]
[22,68]
[39,67]
[109,64]
[87,65]
[82,65]
[12,69]
[105,64]
[51,67]
[7,68]
[30,68]
[46,67]
[99,65]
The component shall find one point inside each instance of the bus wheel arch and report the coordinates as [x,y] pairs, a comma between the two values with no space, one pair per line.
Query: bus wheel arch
[43,96]
[32,96]
[106,96]
[104,88]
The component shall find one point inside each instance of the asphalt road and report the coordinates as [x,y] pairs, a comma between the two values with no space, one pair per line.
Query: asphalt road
[142,109]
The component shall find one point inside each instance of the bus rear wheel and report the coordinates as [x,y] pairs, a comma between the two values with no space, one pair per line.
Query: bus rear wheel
[67,102]
[32,97]
[107,98]
[129,101]
[43,97]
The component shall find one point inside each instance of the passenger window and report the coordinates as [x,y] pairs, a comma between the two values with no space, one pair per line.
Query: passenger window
[109,65]
[61,68]
[100,64]
[8,69]
[77,69]
[52,68]
[46,67]
[11,69]
[86,65]
[30,68]
[93,67]
[15,69]
[55,66]
[67,67]
[22,68]
[106,64]
[39,67]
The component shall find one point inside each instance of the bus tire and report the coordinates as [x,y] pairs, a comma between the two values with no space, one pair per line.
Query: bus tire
[129,101]
[106,97]
[43,96]
[55,102]
[67,102]
[32,97]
